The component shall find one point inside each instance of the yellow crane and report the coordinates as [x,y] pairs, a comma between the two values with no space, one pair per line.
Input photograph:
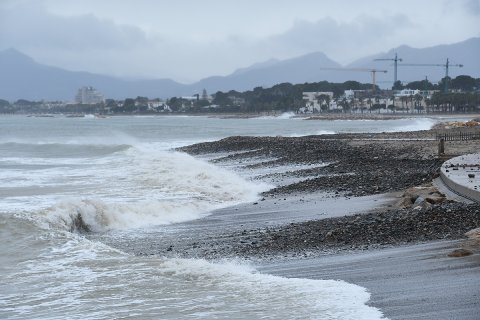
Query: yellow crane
[395,60]
[445,65]
[372,71]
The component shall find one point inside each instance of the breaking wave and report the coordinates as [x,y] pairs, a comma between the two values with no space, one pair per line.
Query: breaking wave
[48,150]
[50,274]
[151,187]
[413,124]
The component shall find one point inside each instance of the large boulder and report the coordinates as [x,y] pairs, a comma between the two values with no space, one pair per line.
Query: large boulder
[420,197]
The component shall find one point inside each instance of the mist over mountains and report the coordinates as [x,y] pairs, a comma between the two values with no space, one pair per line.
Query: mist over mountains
[23,78]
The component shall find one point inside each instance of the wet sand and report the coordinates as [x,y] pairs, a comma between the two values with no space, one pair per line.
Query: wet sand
[408,282]
[414,281]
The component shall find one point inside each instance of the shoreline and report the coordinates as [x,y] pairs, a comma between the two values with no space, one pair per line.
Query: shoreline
[399,250]
[346,218]
[416,281]
[307,116]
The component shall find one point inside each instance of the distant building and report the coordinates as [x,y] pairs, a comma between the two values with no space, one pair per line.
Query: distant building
[236,101]
[315,100]
[407,93]
[205,96]
[89,95]
[352,94]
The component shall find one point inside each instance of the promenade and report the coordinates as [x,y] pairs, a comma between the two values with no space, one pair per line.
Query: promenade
[462,175]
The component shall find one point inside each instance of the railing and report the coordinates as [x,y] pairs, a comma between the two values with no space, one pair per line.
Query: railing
[457,136]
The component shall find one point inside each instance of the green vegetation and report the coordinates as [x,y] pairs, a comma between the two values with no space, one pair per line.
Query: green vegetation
[462,83]
[463,96]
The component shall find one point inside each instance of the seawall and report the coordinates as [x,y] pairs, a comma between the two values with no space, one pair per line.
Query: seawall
[462,175]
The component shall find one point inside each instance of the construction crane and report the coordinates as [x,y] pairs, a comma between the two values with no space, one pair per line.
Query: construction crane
[373,71]
[445,65]
[395,61]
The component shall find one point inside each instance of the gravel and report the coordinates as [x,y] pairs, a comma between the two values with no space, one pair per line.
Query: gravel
[349,165]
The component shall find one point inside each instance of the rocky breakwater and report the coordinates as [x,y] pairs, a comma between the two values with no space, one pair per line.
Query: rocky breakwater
[443,221]
[361,231]
[351,165]
[346,165]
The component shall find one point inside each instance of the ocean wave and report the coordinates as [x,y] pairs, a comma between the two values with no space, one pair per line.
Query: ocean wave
[59,150]
[90,215]
[53,274]
[153,187]
[412,124]
[319,132]
[283,116]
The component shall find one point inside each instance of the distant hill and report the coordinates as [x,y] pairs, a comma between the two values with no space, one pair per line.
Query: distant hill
[22,77]
[297,70]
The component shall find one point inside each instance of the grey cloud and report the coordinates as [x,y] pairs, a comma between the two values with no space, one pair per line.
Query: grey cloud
[473,6]
[174,48]
[32,26]
[330,36]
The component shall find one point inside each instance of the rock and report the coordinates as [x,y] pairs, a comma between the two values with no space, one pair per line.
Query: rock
[404,203]
[458,253]
[435,198]
[473,234]
[419,201]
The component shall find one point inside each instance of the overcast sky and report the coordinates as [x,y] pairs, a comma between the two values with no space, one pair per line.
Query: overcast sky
[186,39]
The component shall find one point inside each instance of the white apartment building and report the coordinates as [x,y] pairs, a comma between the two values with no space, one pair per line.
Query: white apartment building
[407,93]
[312,100]
[89,95]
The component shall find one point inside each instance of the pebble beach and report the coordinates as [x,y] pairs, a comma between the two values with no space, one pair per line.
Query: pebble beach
[369,209]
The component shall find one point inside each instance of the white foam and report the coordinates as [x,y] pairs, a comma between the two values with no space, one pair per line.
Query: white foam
[73,275]
[325,132]
[286,115]
[414,124]
[154,187]
[291,297]
[319,132]
[283,116]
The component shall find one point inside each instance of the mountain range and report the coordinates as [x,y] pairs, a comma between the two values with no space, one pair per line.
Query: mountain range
[21,77]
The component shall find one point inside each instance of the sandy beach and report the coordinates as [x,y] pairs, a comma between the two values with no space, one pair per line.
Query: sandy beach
[344,213]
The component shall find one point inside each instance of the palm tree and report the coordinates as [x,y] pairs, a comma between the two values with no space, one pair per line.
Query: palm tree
[362,102]
[418,98]
[393,103]
[427,104]
[322,100]
[403,99]
[369,102]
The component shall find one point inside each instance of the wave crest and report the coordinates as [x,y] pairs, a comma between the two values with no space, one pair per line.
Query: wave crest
[160,188]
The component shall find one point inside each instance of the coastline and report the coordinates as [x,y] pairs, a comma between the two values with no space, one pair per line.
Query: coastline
[416,281]
[343,217]
[407,270]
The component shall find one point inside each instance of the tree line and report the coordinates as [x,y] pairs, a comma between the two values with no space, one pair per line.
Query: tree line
[462,97]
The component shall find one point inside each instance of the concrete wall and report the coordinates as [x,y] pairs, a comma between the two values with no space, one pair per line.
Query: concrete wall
[454,173]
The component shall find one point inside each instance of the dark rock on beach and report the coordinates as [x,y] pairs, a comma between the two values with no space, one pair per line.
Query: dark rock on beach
[354,167]
[361,231]
[385,228]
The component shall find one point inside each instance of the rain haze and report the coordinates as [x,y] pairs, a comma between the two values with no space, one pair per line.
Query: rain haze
[239,159]
[187,40]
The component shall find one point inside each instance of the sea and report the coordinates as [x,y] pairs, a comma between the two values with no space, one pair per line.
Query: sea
[120,175]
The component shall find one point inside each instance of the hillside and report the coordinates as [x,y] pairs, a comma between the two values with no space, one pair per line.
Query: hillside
[22,77]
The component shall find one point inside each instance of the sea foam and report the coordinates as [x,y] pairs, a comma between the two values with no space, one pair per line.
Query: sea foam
[152,187]
[76,276]
[413,124]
